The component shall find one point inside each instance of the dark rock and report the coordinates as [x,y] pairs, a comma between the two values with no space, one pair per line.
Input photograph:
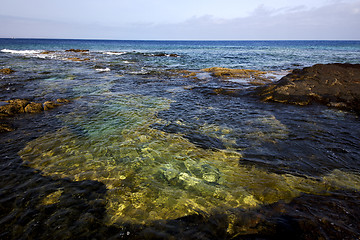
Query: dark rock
[165,55]
[34,108]
[77,50]
[336,85]
[6,71]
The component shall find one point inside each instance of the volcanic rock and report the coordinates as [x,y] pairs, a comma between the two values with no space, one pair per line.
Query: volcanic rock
[336,85]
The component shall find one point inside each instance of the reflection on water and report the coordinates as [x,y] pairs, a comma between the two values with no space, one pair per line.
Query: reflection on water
[152,174]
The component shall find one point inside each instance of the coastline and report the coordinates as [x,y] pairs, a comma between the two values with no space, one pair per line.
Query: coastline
[151,133]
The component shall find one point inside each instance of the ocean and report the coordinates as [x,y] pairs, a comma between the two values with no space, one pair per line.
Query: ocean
[153,144]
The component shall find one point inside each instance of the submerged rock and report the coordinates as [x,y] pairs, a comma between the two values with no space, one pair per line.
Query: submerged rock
[50,105]
[336,85]
[6,71]
[76,59]
[4,127]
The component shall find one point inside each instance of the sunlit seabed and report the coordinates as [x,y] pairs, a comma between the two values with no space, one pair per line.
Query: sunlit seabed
[151,174]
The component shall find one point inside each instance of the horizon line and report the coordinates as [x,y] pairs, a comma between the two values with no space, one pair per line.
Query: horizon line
[175,40]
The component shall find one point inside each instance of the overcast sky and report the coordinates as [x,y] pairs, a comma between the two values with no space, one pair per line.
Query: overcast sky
[182,20]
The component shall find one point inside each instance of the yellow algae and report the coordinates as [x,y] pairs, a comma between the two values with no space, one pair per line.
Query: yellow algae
[255,76]
[340,179]
[52,198]
[151,174]
[184,73]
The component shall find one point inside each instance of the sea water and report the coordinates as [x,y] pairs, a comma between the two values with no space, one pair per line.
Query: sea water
[147,122]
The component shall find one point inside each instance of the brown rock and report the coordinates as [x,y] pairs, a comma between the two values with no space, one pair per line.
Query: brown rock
[336,85]
[62,100]
[50,105]
[34,108]
[6,71]
[47,52]
[76,59]
[5,128]
[234,73]
[13,107]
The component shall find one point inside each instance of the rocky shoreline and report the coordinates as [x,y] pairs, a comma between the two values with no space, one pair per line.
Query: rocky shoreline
[12,107]
[335,85]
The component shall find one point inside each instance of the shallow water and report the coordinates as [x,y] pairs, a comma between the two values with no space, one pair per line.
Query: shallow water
[147,143]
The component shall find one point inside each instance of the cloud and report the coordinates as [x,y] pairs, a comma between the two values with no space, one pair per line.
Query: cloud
[338,20]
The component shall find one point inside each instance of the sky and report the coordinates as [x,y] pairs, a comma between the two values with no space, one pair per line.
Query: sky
[181,20]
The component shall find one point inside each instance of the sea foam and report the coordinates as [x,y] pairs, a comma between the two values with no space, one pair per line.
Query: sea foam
[21,51]
[103,69]
[115,53]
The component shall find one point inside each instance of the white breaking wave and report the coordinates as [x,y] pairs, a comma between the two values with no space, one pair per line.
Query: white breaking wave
[115,53]
[25,52]
[103,69]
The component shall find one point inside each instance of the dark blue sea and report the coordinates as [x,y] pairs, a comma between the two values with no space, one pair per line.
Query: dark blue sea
[149,147]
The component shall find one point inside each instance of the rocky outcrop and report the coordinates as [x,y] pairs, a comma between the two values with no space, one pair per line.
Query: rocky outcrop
[6,71]
[34,108]
[77,50]
[255,77]
[12,107]
[336,85]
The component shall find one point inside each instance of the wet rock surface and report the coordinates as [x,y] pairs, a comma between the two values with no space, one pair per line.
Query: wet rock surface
[255,77]
[12,107]
[336,85]
[16,106]
[6,71]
